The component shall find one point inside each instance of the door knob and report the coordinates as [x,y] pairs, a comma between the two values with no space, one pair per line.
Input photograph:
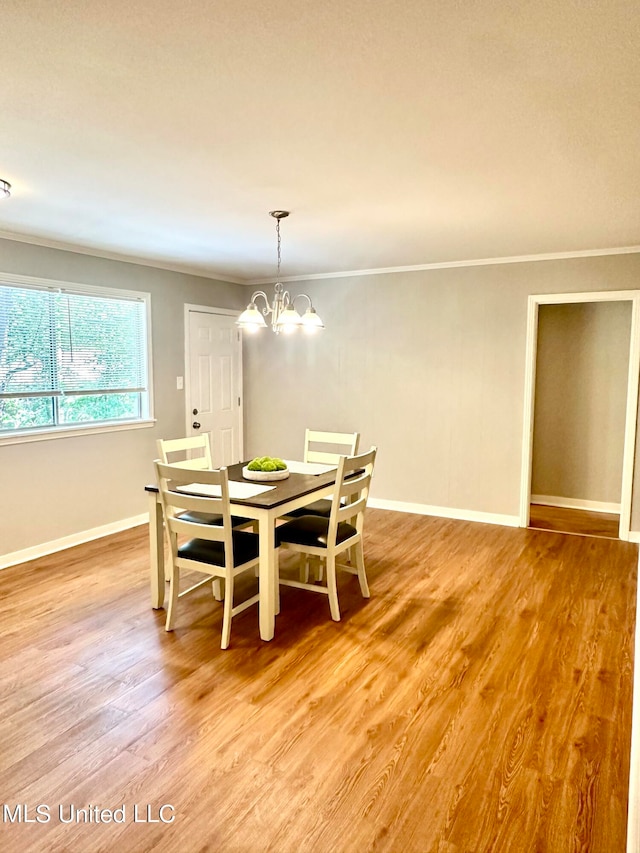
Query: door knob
[195,411]
[196,425]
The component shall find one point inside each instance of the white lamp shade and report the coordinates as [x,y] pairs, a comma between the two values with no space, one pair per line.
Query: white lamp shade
[289,319]
[251,318]
[310,320]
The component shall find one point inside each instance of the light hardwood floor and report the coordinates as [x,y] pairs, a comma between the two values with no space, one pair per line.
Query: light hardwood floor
[479,701]
[578,521]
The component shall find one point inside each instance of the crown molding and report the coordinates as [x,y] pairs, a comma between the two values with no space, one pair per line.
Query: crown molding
[445,265]
[184,269]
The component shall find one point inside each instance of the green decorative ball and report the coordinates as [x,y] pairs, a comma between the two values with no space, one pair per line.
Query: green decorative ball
[267,463]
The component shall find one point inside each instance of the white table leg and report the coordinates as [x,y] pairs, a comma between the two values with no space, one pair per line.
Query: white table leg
[267,575]
[156,551]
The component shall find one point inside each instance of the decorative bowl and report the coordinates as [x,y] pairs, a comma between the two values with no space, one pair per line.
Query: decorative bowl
[263,476]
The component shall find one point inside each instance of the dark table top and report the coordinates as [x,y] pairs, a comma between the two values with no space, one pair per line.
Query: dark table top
[295,486]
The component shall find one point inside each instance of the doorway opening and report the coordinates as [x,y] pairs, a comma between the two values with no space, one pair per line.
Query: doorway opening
[581,397]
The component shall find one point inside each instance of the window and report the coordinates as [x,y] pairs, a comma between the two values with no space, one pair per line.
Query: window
[71,358]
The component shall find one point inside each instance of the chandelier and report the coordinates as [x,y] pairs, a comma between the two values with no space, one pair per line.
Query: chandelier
[284,317]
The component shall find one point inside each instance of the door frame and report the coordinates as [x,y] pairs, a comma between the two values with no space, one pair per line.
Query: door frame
[227,312]
[628,458]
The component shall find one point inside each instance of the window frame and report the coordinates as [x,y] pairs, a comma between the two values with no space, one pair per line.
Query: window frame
[91,427]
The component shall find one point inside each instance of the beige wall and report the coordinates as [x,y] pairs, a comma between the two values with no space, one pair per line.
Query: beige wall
[428,365]
[580,400]
[56,488]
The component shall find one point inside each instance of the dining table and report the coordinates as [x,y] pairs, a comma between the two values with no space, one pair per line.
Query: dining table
[305,484]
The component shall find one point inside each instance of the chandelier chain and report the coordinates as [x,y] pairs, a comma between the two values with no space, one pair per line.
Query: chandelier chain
[279,257]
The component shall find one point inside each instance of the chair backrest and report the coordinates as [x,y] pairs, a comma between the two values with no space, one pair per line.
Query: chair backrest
[352,485]
[171,446]
[216,484]
[344,442]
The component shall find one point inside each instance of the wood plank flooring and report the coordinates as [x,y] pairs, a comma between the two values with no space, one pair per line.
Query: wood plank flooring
[479,701]
[578,521]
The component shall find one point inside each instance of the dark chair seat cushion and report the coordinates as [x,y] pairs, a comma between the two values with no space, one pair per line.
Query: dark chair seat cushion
[321,508]
[213,518]
[245,548]
[312,530]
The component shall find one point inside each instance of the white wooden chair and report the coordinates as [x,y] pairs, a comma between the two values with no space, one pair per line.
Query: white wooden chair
[343,444]
[168,448]
[327,538]
[217,550]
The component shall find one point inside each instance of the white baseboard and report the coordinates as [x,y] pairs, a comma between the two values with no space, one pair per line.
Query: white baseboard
[47,548]
[446,512]
[634,536]
[575,503]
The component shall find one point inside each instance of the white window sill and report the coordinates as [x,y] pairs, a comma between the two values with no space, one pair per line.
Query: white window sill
[72,431]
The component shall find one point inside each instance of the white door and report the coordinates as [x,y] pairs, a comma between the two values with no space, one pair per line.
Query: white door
[214,390]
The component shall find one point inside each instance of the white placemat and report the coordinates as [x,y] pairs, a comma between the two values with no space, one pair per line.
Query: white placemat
[308,467]
[237,490]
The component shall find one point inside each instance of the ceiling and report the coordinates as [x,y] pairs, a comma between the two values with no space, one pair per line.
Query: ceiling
[397,133]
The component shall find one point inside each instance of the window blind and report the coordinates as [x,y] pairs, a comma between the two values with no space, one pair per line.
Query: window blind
[61,344]
[55,343]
